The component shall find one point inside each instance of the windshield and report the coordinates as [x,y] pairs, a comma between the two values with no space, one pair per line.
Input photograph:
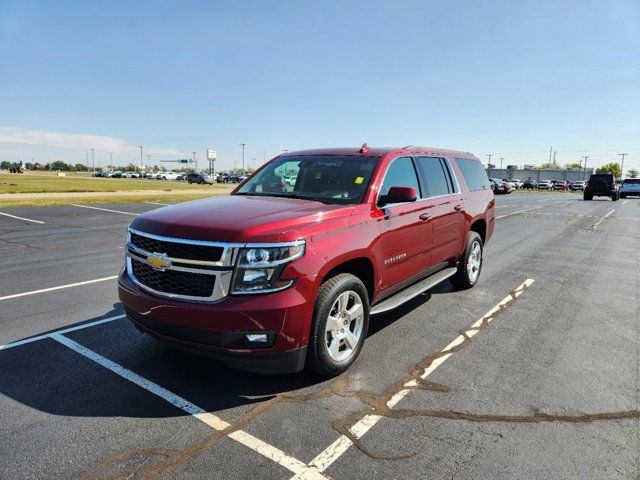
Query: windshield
[339,179]
[632,180]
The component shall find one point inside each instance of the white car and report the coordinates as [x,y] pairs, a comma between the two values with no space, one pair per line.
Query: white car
[630,187]
[167,176]
[517,183]
[131,175]
[545,185]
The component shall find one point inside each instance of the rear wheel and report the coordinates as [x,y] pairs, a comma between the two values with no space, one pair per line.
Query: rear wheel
[615,196]
[623,195]
[470,265]
[340,324]
[587,196]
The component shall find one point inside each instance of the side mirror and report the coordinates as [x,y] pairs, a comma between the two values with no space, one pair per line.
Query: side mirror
[398,195]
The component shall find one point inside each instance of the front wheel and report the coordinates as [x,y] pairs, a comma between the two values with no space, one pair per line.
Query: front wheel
[340,324]
[470,265]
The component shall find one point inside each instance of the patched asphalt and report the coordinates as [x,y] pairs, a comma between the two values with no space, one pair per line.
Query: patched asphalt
[547,388]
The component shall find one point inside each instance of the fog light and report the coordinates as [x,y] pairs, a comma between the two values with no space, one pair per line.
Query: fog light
[257,337]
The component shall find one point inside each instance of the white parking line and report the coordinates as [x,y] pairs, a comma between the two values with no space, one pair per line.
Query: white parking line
[269,451]
[64,330]
[519,211]
[624,201]
[70,285]
[156,203]
[21,218]
[342,444]
[106,210]
[595,225]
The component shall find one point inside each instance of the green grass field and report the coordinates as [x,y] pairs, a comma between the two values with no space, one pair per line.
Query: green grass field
[27,183]
[101,199]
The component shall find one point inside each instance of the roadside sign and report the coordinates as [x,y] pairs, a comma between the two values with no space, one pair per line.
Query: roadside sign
[211,154]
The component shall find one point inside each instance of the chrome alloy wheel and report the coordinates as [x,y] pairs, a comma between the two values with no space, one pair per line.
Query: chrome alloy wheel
[474,262]
[344,326]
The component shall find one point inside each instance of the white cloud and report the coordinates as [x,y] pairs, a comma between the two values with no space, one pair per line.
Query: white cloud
[78,141]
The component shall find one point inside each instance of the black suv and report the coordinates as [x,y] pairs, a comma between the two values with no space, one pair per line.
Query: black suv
[601,185]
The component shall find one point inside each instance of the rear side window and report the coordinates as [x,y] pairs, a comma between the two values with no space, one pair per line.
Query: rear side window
[436,176]
[474,174]
[632,180]
[400,173]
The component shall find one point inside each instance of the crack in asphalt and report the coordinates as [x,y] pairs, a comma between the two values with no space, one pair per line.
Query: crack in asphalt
[374,404]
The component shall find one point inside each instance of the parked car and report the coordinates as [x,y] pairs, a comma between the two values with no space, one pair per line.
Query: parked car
[115,174]
[517,183]
[545,185]
[529,184]
[228,178]
[289,180]
[167,176]
[630,187]
[199,178]
[578,185]
[500,186]
[288,279]
[181,176]
[561,185]
[601,185]
[131,175]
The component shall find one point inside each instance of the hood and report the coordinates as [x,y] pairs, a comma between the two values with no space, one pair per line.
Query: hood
[239,218]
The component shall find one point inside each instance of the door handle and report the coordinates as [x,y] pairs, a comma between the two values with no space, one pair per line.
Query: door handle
[425,216]
[457,208]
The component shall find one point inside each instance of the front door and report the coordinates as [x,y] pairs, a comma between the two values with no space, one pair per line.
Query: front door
[405,230]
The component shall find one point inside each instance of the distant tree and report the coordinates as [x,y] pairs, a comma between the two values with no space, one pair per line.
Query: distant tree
[80,167]
[60,166]
[633,173]
[28,166]
[550,165]
[577,165]
[610,168]
[5,165]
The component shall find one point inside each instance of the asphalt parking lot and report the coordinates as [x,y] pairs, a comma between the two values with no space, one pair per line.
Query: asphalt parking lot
[534,373]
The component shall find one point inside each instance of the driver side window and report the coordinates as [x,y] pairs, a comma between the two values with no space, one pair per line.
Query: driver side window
[401,173]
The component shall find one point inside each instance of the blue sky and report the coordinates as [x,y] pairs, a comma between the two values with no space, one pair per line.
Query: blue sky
[506,78]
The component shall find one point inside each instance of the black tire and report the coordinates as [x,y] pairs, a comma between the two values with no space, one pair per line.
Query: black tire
[318,359]
[615,196]
[587,196]
[190,182]
[462,279]
[623,195]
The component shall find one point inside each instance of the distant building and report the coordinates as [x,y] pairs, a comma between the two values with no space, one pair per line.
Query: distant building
[528,173]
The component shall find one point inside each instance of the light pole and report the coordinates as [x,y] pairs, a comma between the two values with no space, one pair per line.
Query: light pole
[243,145]
[622,164]
[501,159]
[141,160]
[110,158]
[93,161]
[584,172]
[194,160]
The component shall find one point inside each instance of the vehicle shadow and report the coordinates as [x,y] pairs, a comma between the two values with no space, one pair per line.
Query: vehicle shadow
[50,377]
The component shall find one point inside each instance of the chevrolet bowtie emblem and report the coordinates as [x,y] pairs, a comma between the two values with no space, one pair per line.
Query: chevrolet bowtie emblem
[159,261]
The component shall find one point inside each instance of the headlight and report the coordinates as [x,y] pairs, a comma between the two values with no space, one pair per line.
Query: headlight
[258,267]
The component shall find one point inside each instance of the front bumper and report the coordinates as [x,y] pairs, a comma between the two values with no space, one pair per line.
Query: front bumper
[219,329]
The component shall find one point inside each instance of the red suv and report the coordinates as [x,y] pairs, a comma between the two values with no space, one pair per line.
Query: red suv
[282,275]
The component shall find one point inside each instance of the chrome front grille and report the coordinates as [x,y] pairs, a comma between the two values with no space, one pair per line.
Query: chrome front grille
[180,268]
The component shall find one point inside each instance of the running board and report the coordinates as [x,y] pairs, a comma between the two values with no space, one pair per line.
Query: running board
[413,291]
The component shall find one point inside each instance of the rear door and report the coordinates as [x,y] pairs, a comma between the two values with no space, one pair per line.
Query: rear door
[404,245]
[443,196]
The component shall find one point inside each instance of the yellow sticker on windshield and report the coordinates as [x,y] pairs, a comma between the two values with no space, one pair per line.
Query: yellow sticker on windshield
[359,180]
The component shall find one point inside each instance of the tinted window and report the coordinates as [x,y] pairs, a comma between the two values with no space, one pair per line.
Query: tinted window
[436,176]
[632,180]
[400,173]
[473,173]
